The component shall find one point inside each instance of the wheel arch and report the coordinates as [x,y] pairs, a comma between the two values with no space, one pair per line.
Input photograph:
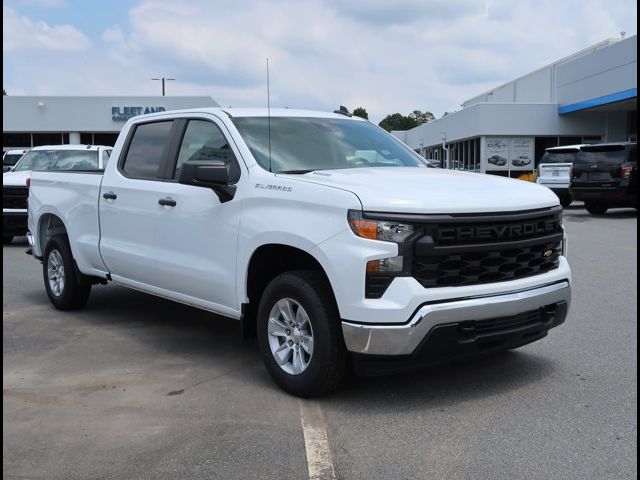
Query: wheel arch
[266,262]
[49,224]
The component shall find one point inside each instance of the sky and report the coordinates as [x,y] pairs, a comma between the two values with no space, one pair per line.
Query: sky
[384,55]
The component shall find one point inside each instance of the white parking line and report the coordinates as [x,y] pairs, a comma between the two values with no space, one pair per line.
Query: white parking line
[316,442]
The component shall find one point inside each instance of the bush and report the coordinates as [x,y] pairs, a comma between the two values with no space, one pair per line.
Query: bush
[528,177]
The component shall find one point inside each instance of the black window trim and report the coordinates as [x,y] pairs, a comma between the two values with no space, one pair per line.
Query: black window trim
[165,154]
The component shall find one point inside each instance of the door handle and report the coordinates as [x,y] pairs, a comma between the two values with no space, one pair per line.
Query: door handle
[168,202]
[109,196]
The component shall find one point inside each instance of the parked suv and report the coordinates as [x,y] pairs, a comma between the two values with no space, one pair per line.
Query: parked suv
[605,176]
[554,170]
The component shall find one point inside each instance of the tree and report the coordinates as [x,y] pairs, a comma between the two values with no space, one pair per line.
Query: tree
[361,112]
[397,121]
[421,117]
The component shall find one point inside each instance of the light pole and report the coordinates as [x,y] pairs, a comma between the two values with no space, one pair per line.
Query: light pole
[446,149]
[163,80]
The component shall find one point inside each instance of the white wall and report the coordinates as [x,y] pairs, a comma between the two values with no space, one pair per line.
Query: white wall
[609,70]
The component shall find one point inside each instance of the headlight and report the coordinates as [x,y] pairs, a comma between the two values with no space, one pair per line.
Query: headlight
[385,230]
[381,272]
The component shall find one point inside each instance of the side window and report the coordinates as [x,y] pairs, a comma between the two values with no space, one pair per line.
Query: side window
[203,140]
[146,150]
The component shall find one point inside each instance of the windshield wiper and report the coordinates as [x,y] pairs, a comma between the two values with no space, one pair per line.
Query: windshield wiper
[297,172]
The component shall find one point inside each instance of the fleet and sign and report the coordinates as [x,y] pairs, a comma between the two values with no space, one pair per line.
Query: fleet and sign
[122,114]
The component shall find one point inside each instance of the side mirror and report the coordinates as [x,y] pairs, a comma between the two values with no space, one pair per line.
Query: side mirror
[209,174]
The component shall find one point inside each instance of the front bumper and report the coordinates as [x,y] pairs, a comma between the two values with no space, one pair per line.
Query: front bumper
[14,223]
[404,339]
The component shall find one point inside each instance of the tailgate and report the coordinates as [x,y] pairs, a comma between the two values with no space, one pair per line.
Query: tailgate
[596,175]
[554,173]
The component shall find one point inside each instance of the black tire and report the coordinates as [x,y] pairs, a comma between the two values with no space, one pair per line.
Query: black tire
[328,364]
[6,240]
[565,200]
[595,208]
[75,292]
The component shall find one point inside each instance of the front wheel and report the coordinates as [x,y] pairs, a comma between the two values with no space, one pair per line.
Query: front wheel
[65,287]
[299,334]
[595,208]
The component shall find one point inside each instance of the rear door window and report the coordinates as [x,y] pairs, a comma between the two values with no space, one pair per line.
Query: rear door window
[147,149]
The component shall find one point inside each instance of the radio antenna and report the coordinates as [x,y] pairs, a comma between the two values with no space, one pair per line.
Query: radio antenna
[269,113]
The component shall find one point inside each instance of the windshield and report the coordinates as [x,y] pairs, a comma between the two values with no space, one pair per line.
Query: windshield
[299,145]
[558,157]
[58,160]
[11,158]
[604,155]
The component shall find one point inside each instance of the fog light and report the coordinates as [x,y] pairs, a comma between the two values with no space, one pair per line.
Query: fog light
[384,265]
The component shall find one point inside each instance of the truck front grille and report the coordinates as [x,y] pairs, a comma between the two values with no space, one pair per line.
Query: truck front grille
[475,250]
[14,197]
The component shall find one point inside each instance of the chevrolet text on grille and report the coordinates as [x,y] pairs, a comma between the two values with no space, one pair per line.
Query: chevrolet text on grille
[499,231]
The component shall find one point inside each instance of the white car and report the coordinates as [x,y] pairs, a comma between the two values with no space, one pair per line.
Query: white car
[48,157]
[555,170]
[323,234]
[11,157]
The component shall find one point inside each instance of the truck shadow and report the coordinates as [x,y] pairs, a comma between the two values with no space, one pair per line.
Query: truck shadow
[210,340]
[445,385]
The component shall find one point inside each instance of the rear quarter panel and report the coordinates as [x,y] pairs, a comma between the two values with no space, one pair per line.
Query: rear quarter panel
[73,197]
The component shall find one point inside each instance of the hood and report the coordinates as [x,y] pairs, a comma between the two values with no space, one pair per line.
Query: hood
[434,190]
[15,179]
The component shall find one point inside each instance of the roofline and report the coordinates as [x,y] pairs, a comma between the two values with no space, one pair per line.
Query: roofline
[68,146]
[577,146]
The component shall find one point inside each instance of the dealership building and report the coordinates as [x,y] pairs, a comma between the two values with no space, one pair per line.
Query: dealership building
[30,121]
[588,97]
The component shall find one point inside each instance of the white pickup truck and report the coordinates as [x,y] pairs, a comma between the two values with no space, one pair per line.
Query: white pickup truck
[45,157]
[325,236]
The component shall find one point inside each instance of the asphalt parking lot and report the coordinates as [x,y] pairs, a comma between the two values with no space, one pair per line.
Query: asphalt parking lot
[138,387]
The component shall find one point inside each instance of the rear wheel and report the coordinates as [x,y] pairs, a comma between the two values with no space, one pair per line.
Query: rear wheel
[299,334]
[7,239]
[66,288]
[595,208]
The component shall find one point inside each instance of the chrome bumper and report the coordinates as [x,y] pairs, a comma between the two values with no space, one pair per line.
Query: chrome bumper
[404,339]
